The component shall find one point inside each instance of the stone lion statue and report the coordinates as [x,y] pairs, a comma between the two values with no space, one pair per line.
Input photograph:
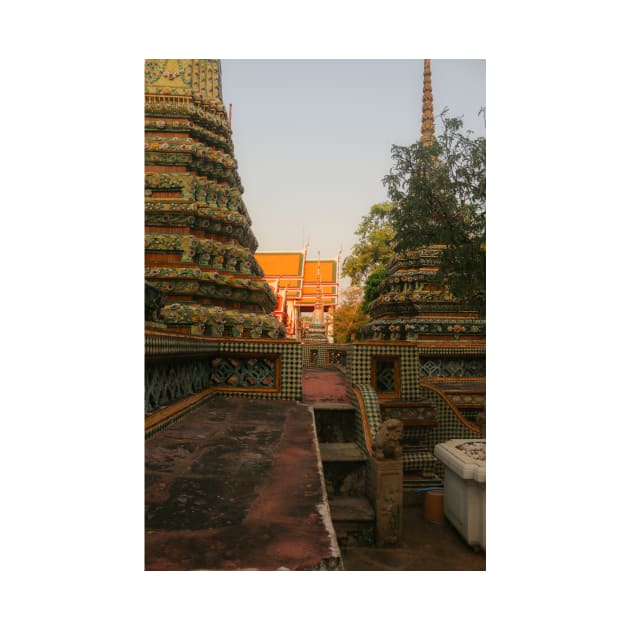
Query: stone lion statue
[387,441]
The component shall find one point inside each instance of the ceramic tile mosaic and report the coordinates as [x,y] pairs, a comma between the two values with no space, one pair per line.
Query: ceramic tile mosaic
[199,241]
[419,459]
[360,365]
[449,425]
[169,378]
[324,355]
[431,367]
[290,353]
[364,400]
[164,344]
[415,457]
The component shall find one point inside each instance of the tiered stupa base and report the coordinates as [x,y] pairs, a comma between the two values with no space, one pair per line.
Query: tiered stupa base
[215,321]
[411,306]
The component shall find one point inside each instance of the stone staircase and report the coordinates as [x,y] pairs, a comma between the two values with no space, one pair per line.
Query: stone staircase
[345,474]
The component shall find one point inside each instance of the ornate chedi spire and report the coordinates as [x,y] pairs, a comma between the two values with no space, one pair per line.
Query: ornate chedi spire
[316,332]
[411,305]
[318,311]
[198,240]
[428,122]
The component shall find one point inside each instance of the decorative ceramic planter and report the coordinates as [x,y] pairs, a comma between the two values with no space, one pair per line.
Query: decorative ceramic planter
[465,487]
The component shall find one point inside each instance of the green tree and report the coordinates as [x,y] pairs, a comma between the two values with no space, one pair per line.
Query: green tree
[349,316]
[439,197]
[372,282]
[374,248]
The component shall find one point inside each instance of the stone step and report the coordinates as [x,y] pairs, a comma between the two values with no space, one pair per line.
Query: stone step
[335,422]
[354,509]
[341,452]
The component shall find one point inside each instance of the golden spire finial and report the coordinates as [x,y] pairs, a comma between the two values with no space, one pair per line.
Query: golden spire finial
[428,125]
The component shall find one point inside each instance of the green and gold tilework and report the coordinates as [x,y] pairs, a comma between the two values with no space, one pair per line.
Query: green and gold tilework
[199,243]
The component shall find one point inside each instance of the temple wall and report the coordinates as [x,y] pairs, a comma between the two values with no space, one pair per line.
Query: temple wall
[178,367]
[395,370]
[324,355]
[285,355]
[452,367]
[392,369]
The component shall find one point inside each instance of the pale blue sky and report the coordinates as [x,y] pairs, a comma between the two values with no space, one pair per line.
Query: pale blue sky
[313,138]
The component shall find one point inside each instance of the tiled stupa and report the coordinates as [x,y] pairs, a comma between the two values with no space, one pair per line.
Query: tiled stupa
[199,244]
[411,305]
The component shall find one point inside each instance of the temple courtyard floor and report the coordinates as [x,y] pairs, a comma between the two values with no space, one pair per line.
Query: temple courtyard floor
[425,547]
[236,484]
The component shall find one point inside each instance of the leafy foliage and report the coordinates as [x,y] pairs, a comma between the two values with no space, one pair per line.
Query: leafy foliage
[349,316]
[374,249]
[439,197]
[370,290]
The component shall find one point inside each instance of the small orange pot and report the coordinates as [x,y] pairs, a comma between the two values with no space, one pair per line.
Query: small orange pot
[434,507]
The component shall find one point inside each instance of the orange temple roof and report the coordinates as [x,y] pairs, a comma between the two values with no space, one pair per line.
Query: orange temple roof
[289,270]
[328,271]
[281,264]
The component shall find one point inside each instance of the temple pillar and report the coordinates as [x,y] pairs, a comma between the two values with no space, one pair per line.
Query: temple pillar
[385,490]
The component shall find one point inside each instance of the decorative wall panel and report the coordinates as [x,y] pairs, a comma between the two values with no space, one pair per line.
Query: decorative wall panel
[180,366]
[452,367]
[360,365]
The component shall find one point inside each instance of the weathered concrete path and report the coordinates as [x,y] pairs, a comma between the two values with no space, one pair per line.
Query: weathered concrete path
[321,385]
[236,484]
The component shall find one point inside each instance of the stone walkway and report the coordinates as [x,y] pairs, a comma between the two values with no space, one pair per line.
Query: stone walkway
[236,484]
[222,494]
[425,547]
[324,386]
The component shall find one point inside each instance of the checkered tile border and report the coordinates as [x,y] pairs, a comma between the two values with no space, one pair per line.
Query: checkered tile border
[431,367]
[290,366]
[323,352]
[365,401]
[318,352]
[449,425]
[419,459]
[156,344]
[478,351]
[415,457]
[418,436]
[360,365]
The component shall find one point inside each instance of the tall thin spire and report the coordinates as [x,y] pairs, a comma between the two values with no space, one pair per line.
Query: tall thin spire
[318,311]
[428,124]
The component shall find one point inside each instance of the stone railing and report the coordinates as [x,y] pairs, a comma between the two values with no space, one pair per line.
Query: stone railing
[325,355]
[179,366]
